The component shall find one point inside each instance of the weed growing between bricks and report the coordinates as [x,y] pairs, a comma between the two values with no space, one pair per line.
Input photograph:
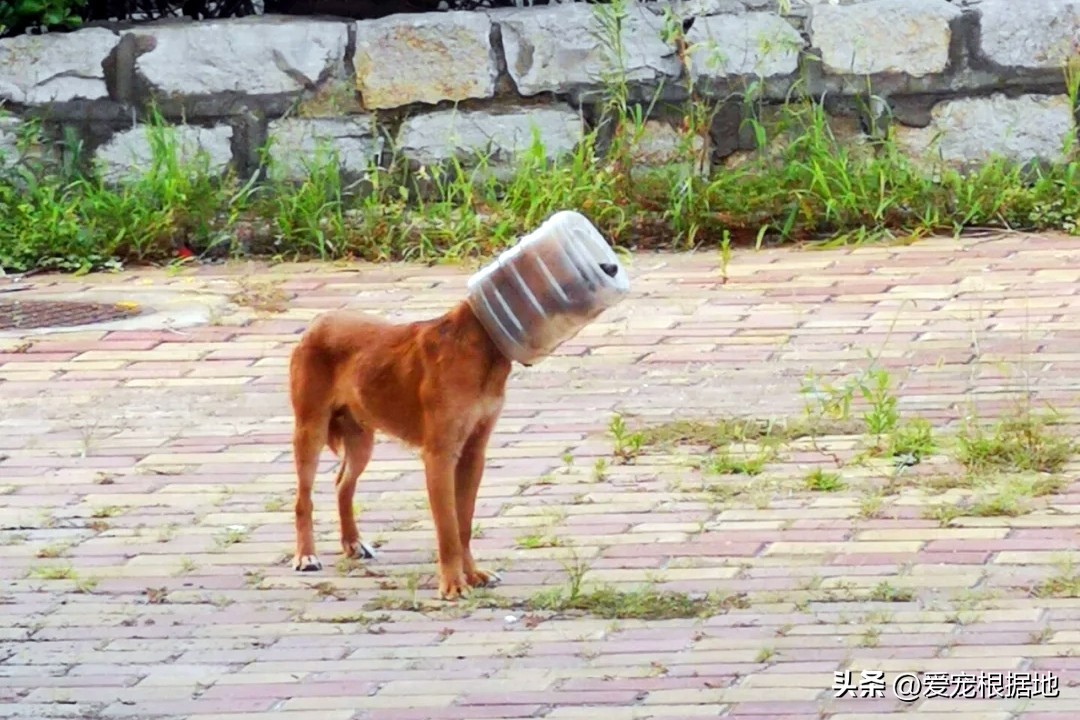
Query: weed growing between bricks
[802,184]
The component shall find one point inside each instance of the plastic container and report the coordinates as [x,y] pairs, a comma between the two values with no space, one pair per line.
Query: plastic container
[546,288]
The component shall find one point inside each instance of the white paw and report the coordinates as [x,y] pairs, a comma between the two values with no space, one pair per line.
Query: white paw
[362,551]
[307,563]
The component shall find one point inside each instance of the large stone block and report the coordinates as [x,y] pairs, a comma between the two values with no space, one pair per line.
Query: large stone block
[1030,34]
[972,130]
[439,136]
[761,44]
[130,153]
[252,56]
[561,48]
[404,59]
[295,144]
[884,36]
[60,67]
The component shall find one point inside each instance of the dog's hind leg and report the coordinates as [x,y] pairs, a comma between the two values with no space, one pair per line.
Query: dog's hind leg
[357,443]
[309,438]
[467,476]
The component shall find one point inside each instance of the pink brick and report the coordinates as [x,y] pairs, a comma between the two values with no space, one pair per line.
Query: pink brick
[96,681]
[778,709]
[872,558]
[984,545]
[41,357]
[470,712]
[189,707]
[553,697]
[722,549]
[952,558]
[647,684]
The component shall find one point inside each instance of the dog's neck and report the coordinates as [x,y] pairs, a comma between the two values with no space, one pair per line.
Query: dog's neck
[464,320]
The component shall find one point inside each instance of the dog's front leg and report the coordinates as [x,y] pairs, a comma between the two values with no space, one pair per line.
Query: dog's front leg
[439,470]
[467,477]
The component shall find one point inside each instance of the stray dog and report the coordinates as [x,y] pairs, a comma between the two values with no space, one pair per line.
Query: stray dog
[436,385]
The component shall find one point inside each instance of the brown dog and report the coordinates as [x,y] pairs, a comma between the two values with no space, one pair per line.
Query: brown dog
[436,385]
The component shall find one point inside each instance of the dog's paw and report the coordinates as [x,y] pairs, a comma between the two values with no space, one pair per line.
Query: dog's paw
[454,587]
[358,550]
[479,578]
[307,563]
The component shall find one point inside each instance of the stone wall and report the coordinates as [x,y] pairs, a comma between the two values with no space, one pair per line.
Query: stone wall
[981,77]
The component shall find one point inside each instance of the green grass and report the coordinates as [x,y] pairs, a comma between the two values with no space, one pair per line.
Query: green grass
[1022,441]
[914,440]
[723,432]
[1065,583]
[994,496]
[722,462]
[645,603]
[53,572]
[819,480]
[814,187]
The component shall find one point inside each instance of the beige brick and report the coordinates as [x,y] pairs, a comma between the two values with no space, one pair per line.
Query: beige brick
[773,681]
[455,687]
[186,382]
[1029,557]
[281,715]
[259,456]
[369,702]
[611,712]
[991,715]
[1003,651]
[926,534]
[258,678]
[817,548]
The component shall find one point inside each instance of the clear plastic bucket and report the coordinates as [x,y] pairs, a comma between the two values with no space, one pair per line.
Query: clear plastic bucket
[546,288]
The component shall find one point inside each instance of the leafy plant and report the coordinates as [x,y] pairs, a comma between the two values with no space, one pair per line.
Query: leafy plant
[18,16]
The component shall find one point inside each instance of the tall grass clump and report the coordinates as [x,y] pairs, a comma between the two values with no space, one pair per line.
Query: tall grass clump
[54,216]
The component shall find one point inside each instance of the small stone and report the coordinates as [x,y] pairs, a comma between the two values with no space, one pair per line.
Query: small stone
[884,36]
[1032,34]
[660,144]
[560,48]
[9,141]
[404,59]
[971,130]
[701,8]
[295,142]
[251,56]
[761,44]
[439,136]
[129,153]
[60,67]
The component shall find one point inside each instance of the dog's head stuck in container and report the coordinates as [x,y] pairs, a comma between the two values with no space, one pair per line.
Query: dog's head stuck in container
[546,288]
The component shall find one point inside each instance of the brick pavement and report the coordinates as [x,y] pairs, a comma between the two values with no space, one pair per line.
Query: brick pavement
[145,517]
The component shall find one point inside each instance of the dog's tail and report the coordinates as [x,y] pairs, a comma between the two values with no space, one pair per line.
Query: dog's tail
[334,434]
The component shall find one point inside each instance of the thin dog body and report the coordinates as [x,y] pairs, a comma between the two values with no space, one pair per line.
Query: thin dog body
[436,385]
